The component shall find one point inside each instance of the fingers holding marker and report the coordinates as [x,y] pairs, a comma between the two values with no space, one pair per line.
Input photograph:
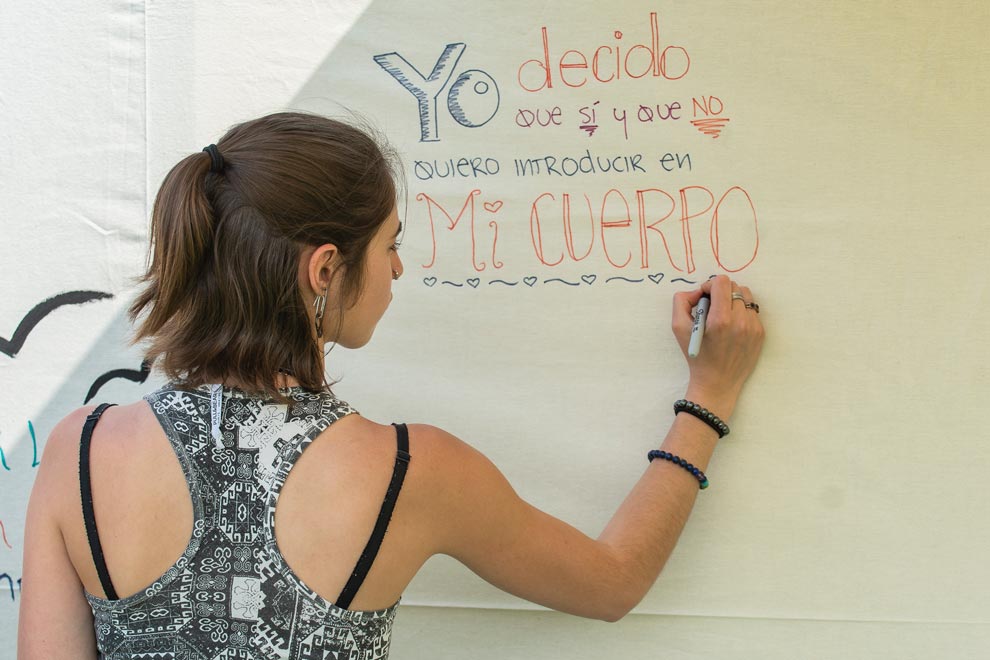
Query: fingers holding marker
[682,317]
[737,297]
[698,329]
[684,302]
[728,301]
[719,290]
[724,340]
[736,293]
[715,281]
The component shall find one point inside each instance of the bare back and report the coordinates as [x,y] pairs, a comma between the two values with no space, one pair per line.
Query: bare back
[325,513]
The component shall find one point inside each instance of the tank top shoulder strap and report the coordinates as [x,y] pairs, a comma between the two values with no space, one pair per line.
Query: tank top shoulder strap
[360,572]
[86,494]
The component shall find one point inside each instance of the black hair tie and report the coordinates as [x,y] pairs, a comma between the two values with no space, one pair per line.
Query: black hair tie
[216,160]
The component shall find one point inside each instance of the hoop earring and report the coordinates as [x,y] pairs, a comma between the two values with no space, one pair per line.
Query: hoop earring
[320,304]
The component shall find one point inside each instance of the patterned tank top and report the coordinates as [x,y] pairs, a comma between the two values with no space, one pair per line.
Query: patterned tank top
[231,594]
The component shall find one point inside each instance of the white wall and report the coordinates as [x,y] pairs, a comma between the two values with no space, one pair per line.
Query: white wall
[848,510]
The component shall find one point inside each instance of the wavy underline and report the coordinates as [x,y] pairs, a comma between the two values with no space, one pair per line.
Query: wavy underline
[586,279]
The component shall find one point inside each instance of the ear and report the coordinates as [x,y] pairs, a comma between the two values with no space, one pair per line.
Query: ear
[321,266]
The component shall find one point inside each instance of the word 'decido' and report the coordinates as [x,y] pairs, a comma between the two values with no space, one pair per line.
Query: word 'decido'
[472,98]
[604,63]
[567,228]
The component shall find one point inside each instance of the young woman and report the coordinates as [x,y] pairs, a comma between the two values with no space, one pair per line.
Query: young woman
[240,511]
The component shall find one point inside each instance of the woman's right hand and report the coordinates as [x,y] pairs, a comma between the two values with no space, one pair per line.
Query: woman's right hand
[731,346]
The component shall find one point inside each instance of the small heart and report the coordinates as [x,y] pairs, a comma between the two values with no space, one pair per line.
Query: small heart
[474,282]
[589,279]
[429,281]
[493,207]
[530,281]
[656,278]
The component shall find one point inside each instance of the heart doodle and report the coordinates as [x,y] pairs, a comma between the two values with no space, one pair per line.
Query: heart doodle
[530,281]
[474,282]
[589,279]
[493,207]
[429,281]
[656,278]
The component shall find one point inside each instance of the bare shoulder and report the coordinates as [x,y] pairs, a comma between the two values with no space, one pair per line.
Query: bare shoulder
[120,437]
[440,448]
[428,445]
[457,485]
[67,432]
[444,461]
[126,431]
[443,470]
[60,455]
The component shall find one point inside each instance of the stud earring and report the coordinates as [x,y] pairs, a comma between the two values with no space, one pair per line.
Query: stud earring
[395,274]
[320,304]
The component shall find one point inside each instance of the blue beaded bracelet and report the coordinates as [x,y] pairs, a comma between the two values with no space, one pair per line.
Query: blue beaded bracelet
[705,415]
[677,460]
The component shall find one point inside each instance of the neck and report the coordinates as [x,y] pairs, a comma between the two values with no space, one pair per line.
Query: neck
[285,380]
[281,380]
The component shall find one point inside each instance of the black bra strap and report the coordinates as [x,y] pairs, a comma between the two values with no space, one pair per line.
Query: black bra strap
[86,493]
[374,543]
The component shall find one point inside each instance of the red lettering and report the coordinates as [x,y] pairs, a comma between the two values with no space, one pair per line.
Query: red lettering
[716,247]
[583,64]
[569,233]
[644,241]
[685,222]
[594,65]
[672,63]
[469,202]
[614,224]
[706,105]
[686,65]
[652,49]
[494,226]
[537,235]
[546,81]
[731,220]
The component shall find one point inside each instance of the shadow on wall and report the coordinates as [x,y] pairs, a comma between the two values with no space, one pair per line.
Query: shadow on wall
[109,370]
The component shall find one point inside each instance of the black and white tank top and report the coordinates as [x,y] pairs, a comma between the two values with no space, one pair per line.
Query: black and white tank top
[231,594]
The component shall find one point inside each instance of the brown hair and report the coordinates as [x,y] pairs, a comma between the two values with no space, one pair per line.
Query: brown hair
[221,289]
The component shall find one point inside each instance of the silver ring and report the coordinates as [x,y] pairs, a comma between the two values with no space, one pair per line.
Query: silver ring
[737,296]
[753,306]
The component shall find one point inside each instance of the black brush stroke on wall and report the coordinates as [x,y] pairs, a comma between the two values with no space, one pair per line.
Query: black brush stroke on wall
[41,310]
[137,376]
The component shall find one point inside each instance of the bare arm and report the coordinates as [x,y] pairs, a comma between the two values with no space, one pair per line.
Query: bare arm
[55,620]
[480,520]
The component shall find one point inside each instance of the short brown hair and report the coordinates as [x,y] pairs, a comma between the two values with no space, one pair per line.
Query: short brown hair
[221,289]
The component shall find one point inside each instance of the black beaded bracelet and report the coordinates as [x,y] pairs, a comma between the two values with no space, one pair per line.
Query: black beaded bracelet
[705,415]
[677,460]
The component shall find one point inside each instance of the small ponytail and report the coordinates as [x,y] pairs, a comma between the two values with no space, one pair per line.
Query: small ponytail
[183,225]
